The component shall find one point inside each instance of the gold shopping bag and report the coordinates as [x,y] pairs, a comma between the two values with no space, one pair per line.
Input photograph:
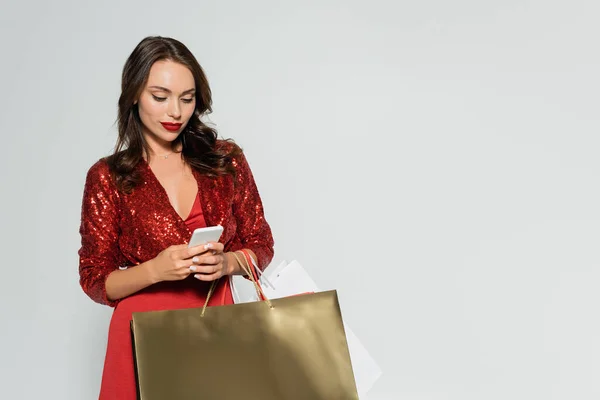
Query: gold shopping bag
[288,348]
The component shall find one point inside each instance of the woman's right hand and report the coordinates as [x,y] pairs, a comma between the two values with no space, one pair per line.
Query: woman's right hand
[173,263]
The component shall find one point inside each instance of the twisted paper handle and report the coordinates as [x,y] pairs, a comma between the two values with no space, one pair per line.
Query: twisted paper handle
[255,272]
[247,269]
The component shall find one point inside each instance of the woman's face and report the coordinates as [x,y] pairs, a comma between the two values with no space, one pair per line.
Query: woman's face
[167,102]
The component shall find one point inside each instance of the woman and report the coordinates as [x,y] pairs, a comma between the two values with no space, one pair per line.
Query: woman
[168,176]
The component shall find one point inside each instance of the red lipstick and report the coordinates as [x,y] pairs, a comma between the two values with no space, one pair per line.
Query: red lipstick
[171,126]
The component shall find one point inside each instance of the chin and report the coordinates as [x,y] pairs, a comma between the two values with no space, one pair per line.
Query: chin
[165,137]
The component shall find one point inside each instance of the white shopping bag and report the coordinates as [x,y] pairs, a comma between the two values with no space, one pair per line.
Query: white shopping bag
[292,279]
[245,292]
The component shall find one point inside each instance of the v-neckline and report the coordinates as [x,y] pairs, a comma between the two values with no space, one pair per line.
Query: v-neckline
[193,207]
[166,195]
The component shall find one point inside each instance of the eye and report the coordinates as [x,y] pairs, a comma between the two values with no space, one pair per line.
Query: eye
[159,98]
[187,100]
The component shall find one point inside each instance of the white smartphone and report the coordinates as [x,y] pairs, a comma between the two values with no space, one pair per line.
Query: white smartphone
[205,235]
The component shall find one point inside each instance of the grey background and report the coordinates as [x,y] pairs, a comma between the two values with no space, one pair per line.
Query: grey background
[434,161]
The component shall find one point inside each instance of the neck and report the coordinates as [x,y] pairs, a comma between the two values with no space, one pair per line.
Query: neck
[159,148]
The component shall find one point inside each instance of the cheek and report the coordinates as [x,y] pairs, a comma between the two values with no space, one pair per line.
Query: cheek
[189,111]
[150,110]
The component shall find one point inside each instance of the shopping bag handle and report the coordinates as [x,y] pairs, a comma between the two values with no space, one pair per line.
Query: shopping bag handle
[248,271]
[254,270]
[252,275]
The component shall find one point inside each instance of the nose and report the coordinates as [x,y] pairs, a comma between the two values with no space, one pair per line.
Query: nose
[174,110]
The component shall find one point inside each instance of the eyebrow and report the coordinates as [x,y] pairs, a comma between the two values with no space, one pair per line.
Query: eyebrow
[164,89]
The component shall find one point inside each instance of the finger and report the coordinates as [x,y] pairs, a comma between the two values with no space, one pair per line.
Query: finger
[179,273]
[207,269]
[197,260]
[185,272]
[173,251]
[215,246]
[177,247]
[183,264]
[208,277]
[212,248]
[209,259]
[192,251]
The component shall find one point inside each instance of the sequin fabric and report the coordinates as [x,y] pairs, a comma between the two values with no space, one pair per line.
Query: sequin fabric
[120,229]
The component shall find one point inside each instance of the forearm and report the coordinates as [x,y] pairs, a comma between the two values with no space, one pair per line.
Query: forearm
[123,283]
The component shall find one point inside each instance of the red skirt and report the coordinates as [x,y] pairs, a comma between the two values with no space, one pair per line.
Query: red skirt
[118,377]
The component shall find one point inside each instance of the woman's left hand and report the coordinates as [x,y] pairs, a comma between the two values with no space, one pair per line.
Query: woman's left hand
[212,264]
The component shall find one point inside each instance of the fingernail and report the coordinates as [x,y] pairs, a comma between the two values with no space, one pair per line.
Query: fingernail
[208,246]
[192,267]
[197,276]
[195,259]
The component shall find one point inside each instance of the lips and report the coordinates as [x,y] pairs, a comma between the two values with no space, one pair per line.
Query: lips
[171,126]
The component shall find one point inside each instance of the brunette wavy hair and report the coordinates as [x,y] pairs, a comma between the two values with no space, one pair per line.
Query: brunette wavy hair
[200,148]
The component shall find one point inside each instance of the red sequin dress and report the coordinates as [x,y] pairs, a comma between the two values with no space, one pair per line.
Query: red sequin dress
[120,229]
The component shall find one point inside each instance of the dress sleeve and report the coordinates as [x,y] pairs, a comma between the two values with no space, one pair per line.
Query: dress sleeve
[253,229]
[99,253]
